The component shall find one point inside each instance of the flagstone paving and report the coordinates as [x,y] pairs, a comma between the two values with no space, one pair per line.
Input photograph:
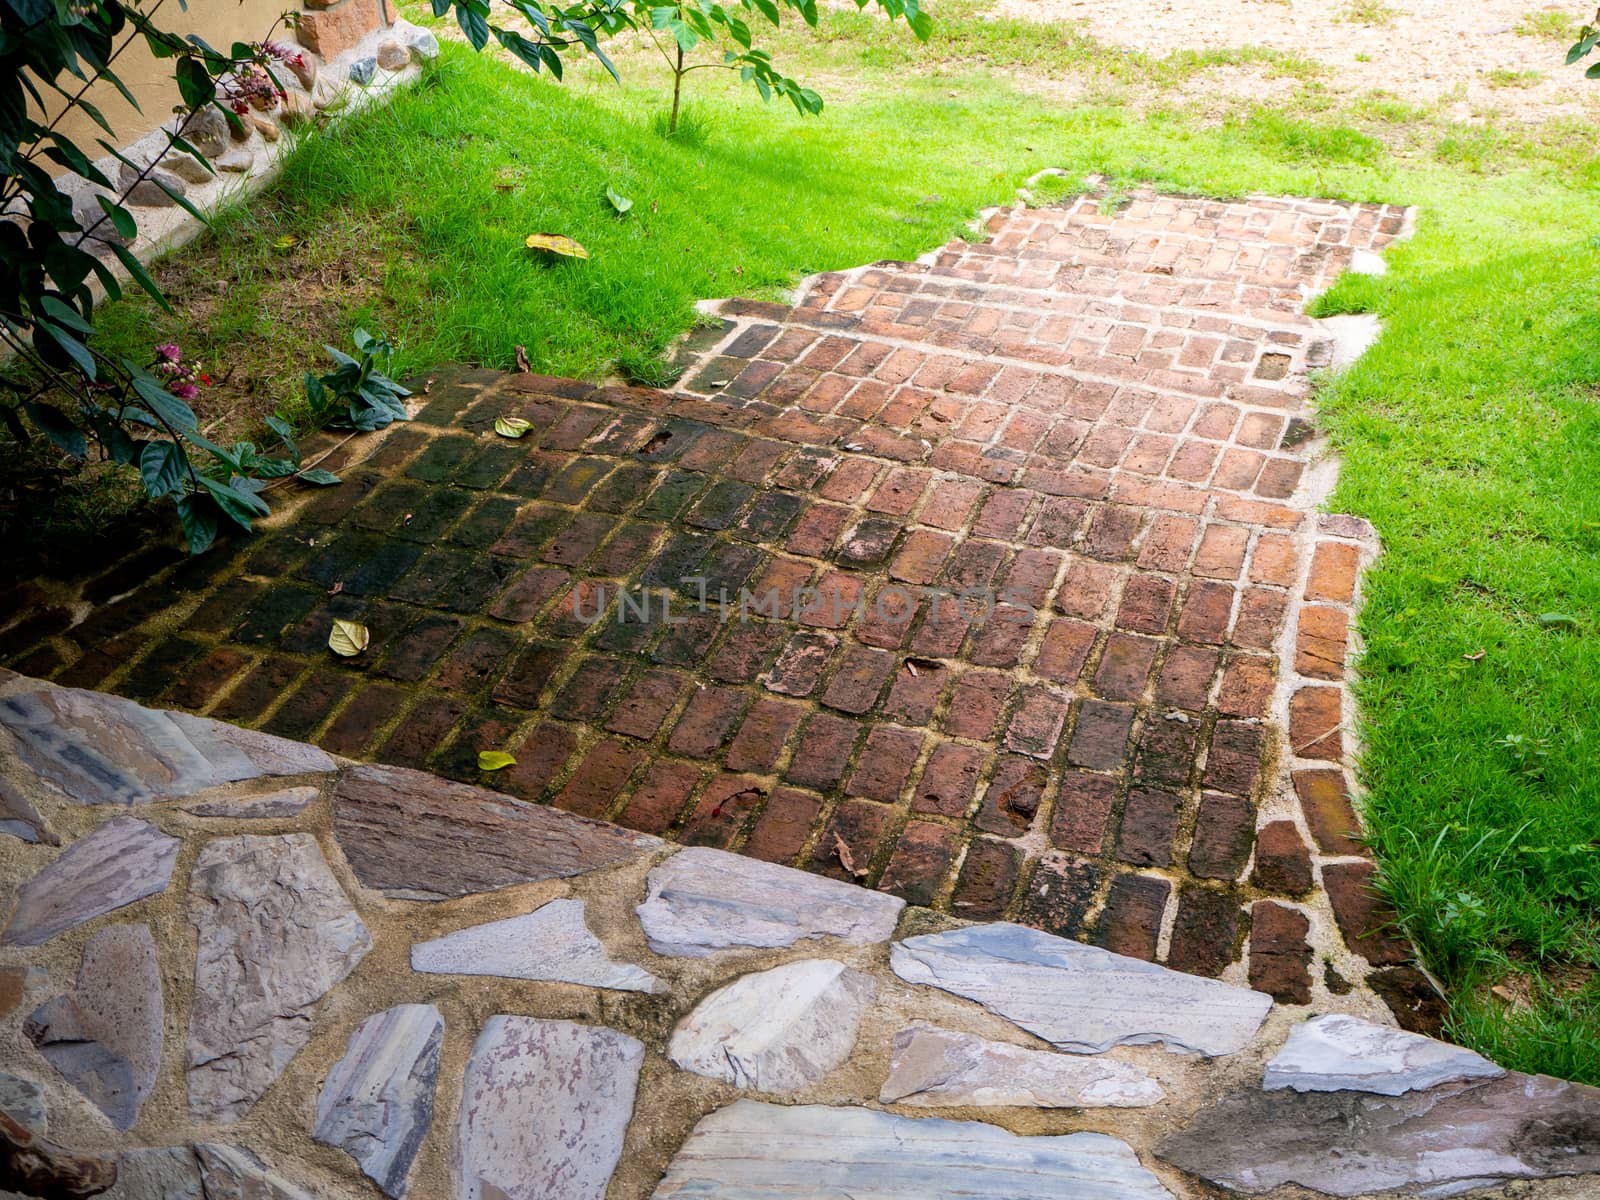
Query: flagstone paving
[569,1026]
[993,582]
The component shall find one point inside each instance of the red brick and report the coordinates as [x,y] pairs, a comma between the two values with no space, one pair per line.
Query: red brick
[640,712]
[1222,552]
[1368,923]
[950,503]
[540,759]
[1088,589]
[1036,727]
[976,704]
[746,650]
[1125,667]
[1112,530]
[1260,618]
[899,492]
[1223,832]
[1316,718]
[1283,864]
[1168,544]
[599,779]
[1206,612]
[1000,640]
[723,811]
[1216,421]
[776,592]
[1003,514]
[660,796]
[1131,923]
[1261,430]
[921,557]
[1279,478]
[859,825]
[1064,650]
[823,752]
[1320,642]
[1276,560]
[1334,566]
[1280,959]
[339,27]
[760,739]
[836,600]
[1012,800]
[1186,676]
[199,683]
[817,529]
[1329,813]
[1233,762]
[1247,685]
[710,716]
[1205,931]
[1149,824]
[1031,577]
[1082,811]
[988,879]
[784,826]
[799,666]
[920,862]
[353,730]
[949,781]
[855,686]
[1059,895]
[1193,461]
[850,483]
[885,763]
[1101,737]
[915,692]
[1238,469]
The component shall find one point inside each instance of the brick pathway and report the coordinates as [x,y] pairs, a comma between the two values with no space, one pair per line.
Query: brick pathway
[1044,622]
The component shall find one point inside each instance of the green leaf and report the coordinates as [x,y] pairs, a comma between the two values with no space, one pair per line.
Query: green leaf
[239,506]
[621,203]
[58,427]
[198,513]
[319,477]
[140,275]
[494,760]
[165,405]
[64,314]
[162,466]
[1552,620]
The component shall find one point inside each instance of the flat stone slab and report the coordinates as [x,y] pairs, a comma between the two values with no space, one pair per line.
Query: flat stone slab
[418,837]
[288,802]
[98,749]
[777,1030]
[204,1172]
[1342,1053]
[377,1103]
[1443,1140]
[1080,998]
[122,861]
[105,1036]
[755,1151]
[940,1068]
[23,1101]
[20,819]
[703,900]
[550,943]
[545,1106]
[276,932]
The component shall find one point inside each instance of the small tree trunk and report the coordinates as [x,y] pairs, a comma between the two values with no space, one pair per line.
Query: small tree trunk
[677,90]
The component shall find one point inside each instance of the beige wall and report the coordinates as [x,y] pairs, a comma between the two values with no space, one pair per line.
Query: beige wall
[219,22]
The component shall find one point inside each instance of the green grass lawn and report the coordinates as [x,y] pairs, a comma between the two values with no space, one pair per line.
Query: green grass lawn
[1470,434]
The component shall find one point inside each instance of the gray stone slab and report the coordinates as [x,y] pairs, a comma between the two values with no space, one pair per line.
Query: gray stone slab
[23,1101]
[941,1068]
[1342,1053]
[93,748]
[544,1109]
[122,861]
[1438,1142]
[777,1030]
[287,802]
[207,1171]
[755,1151]
[1080,998]
[551,943]
[703,900]
[418,837]
[377,1103]
[276,932]
[20,819]
[105,1036]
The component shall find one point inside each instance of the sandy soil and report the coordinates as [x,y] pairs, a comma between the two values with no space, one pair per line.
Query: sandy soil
[1428,51]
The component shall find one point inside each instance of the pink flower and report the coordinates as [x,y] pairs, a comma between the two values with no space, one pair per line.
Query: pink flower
[169,352]
[185,391]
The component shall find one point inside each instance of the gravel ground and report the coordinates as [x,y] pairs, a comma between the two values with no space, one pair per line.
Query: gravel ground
[1423,51]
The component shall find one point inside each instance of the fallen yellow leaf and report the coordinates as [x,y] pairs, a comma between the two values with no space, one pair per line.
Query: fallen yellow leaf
[556,243]
[494,760]
[348,638]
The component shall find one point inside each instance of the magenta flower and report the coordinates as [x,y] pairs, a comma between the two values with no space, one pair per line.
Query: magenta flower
[185,391]
[169,352]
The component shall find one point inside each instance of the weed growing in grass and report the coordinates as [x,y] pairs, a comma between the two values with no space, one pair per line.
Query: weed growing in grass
[1547,23]
[1368,12]
[1500,77]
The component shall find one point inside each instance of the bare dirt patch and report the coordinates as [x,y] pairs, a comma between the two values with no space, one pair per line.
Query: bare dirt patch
[1469,57]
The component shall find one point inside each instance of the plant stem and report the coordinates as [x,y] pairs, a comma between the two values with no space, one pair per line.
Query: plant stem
[677,89]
